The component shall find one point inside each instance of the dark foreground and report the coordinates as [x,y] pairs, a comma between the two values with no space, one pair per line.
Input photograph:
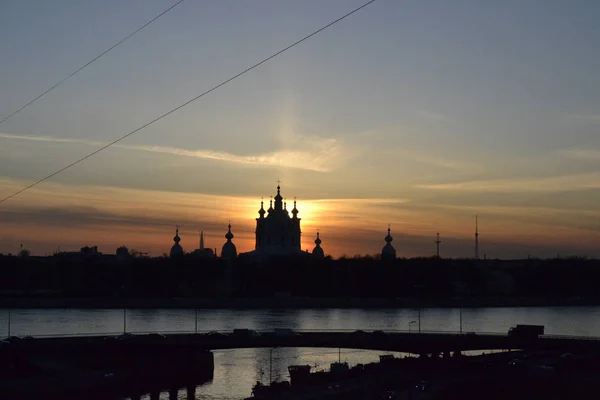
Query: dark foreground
[110,368]
[102,368]
[508,375]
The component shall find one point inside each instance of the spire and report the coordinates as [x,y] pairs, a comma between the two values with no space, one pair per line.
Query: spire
[177,239]
[201,240]
[295,210]
[318,240]
[270,210]
[476,238]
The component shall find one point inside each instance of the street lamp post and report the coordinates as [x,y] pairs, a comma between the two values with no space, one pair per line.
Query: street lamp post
[419,320]
[196,324]
[124,321]
[270,366]
[460,317]
[409,324]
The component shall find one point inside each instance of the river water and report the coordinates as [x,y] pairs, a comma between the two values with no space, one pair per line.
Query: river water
[236,371]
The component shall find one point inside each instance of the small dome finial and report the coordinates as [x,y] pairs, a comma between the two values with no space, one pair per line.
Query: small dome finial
[389,238]
[261,212]
[295,210]
[229,235]
[177,239]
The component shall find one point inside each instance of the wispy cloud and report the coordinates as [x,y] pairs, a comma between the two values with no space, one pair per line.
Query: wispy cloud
[50,139]
[433,116]
[545,184]
[322,156]
[581,154]
[583,117]
[416,155]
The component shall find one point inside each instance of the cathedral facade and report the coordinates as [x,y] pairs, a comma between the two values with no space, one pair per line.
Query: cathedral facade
[277,232]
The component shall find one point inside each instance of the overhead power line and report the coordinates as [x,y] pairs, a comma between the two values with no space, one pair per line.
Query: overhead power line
[191,100]
[88,63]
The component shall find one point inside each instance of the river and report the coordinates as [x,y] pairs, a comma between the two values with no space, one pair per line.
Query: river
[236,371]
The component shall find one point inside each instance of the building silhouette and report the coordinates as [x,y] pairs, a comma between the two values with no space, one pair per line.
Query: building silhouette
[388,252]
[122,253]
[277,233]
[201,251]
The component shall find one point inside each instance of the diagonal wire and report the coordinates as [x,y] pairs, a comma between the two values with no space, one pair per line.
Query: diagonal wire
[88,63]
[189,101]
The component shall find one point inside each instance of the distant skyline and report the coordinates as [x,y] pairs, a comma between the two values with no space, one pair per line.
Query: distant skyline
[418,114]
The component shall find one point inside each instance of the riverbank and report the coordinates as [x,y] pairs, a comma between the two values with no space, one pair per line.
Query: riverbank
[287,302]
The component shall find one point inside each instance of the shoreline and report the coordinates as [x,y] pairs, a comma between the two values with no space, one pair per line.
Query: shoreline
[285,303]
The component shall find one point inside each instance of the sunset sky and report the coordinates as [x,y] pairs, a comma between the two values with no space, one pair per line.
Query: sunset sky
[415,113]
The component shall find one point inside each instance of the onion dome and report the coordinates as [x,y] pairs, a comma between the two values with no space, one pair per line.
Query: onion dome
[389,237]
[270,210]
[229,235]
[261,212]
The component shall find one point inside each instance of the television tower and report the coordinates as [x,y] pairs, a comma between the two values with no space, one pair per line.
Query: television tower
[476,239]
[437,244]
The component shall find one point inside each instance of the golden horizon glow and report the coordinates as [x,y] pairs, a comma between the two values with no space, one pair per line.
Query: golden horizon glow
[53,215]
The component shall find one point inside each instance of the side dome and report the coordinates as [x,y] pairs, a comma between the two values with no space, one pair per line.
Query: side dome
[176,249]
[229,251]
[388,252]
[318,250]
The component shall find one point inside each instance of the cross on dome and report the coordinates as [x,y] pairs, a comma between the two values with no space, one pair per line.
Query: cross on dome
[389,237]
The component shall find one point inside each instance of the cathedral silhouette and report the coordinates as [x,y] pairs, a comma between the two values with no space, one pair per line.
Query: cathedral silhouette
[277,234]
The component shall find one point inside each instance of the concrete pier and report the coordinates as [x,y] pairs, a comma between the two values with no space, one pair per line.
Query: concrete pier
[107,369]
[191,392]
